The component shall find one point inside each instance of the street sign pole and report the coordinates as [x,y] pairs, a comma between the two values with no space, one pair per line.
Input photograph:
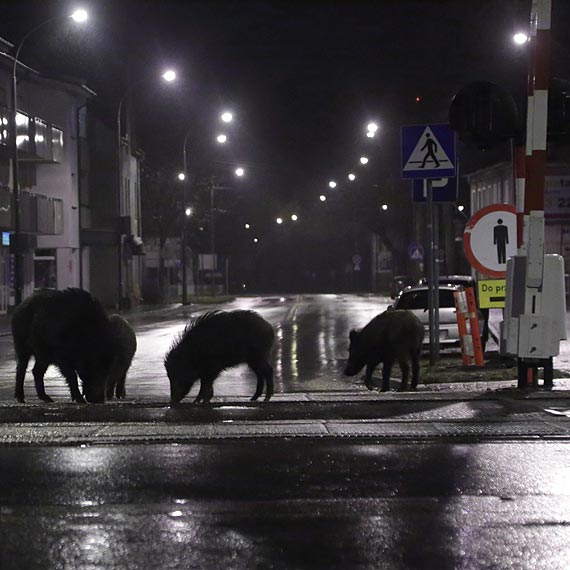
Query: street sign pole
[431,297]
[435,257]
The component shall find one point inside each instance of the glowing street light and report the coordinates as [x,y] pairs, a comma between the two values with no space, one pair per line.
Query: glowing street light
[188,211]
[169,75]
[181,176]
[227,117]
[352,177]
[332,184]
[322,198]
[372,127]
[461,208]
[239,172]
[222,138]
[294,217]
[279,220]
[520,38]
[79,16]
[255,240]
[363,160]
[247,226]
[384,207]
[370,134]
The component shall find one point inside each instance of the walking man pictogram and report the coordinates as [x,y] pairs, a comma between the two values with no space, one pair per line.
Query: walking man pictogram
[431,147]
[501,239]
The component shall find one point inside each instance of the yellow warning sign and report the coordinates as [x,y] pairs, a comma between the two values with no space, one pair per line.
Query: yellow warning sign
[492,293]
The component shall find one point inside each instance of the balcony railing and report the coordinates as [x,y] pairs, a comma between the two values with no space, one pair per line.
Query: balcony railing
[39,214]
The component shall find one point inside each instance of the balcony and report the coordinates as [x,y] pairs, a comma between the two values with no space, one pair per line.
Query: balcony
[39,214]
[37,140]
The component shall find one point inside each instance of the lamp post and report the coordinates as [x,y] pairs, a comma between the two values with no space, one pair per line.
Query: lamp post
[78,16]
[184,218]
[168,76]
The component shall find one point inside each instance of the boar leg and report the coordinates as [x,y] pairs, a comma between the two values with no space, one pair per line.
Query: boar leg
[110,389]
[369,371]
[71,378]
[38,371]
[23,359]
[415,370]
[264,374]
[120,389]
[386,370]
[206,391]
[405,368]
[268,382]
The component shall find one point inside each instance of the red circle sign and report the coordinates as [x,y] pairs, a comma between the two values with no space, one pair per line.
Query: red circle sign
[490,238]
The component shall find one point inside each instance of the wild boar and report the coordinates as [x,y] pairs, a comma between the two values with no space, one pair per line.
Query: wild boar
[69,329]
[390,336]
[215,341]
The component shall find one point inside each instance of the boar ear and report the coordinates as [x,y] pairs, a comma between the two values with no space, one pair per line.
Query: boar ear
[352,335]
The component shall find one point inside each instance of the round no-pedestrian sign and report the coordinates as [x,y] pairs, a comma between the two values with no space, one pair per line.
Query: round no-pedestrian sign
[490,238]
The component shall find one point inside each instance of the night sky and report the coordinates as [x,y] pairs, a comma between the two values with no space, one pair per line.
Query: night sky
[303,78]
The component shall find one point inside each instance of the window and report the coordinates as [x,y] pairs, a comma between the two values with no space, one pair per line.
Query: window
[45,269]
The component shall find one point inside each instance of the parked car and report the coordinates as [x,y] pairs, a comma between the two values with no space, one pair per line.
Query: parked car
[399,283]
[415,299]
[465,280]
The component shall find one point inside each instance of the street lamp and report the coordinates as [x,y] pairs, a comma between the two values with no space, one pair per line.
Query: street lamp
[294,217]
[239,172]
[222,139]
[227,117]
[77,16]
[279,221]
[384,207]
[363,160]
[169,76]
[352,177]
[520,38]
[322,198]
[332,184]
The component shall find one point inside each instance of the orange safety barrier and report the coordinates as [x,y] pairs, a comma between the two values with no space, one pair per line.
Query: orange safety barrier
[466,311]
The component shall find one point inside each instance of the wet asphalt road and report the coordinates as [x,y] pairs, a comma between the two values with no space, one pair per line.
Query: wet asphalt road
[326,475]
[287,504]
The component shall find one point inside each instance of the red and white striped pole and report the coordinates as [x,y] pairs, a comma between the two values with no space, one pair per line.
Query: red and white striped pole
[536,122]
[519,160]
[537,111]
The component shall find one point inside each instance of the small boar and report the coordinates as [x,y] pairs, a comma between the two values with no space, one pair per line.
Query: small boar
[390,336]
[125,341]
[70,330]
[215,341]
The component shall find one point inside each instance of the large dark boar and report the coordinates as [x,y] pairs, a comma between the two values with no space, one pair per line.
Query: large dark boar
[125,342]
[215,341]
[391,336]
[70,330]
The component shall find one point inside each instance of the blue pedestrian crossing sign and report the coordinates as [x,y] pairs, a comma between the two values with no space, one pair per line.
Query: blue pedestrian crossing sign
[416,252]
[428,151]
